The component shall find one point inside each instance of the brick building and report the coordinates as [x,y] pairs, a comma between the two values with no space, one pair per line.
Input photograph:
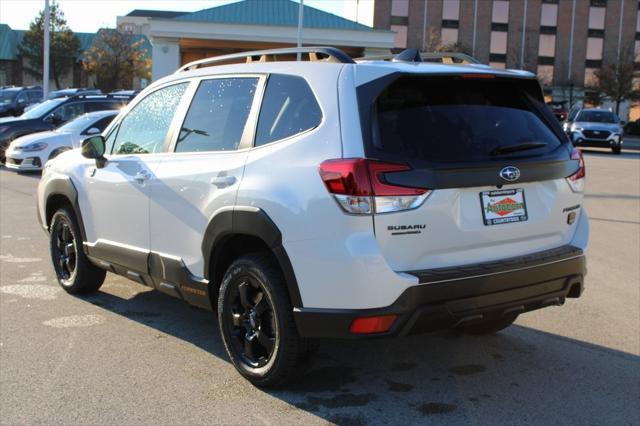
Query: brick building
[563,41]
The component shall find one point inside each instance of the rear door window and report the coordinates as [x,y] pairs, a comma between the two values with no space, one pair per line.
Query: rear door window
[288,108]
[218,115]
[449,119]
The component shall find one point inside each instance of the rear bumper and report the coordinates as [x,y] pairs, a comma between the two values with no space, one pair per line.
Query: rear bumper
[449,297]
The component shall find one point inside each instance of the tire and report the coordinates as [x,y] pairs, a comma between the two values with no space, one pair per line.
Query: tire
[74,272]
[616,149]
[488,327]
[256,323]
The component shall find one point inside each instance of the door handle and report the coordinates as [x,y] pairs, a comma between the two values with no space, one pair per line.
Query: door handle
[223,181]
[141,177]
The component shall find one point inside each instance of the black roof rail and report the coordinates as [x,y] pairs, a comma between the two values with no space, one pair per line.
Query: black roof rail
[99,96]
[414,55]
[333,54]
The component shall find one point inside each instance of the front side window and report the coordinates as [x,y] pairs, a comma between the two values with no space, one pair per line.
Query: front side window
[68,112]
[145,127]
[288,108]
[217,116]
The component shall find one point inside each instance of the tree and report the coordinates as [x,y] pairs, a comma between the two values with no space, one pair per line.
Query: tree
[64,45]
[115,59]
[615,80]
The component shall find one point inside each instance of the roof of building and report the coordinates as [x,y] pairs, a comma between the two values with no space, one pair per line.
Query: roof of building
[10,39]
[155,13]
[272,12]
[8,43]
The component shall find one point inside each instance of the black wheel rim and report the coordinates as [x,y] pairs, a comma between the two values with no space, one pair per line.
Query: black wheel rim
[64,250]
[251,322]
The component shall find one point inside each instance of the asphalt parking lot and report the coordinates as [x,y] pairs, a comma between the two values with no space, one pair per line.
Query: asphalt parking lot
[130,355]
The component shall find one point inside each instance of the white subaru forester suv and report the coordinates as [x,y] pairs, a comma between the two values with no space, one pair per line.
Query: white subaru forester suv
[327,198]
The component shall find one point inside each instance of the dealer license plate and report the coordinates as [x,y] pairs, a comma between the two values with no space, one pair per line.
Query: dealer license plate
[503,206]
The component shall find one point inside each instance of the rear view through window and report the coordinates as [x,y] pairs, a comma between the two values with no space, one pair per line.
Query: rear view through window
[449,119]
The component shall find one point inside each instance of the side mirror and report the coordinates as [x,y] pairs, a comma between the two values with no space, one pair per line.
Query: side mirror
[623,123]
[53,119]
[94,148]
[92,131]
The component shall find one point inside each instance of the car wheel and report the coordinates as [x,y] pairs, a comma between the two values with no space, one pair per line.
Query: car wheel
[616,149]
[256,322]
[74,272]
[488,327]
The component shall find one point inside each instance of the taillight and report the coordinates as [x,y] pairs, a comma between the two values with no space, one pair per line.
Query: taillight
[359,186]
[576,181]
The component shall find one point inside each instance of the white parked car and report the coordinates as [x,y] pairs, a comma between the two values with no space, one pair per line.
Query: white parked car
[327,199]
[31,152]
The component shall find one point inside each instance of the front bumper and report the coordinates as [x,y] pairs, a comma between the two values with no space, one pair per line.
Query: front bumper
[449,297]
[29,162]
[587,140]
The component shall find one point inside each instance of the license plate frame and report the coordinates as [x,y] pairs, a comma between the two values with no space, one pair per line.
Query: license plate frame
[494,203]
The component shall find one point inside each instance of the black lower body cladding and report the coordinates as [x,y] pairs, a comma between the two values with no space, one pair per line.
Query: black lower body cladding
[450,297]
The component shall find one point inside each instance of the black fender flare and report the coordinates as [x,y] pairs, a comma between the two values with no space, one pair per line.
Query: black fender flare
[254,222]
[65,187]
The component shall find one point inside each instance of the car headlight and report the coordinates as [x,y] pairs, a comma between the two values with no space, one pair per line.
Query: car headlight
[575,128]
[38,146]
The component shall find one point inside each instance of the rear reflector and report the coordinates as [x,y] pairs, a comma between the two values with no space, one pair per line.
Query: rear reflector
[359,186]
[368,325]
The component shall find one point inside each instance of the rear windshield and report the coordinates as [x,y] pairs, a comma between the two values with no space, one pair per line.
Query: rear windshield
[450,119]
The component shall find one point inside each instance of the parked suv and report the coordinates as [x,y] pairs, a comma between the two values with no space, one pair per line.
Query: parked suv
[593,127]
[14,100]
[327,199]
[53,113]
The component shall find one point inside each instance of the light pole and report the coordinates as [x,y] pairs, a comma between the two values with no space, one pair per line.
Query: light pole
[45,66]
[300,19]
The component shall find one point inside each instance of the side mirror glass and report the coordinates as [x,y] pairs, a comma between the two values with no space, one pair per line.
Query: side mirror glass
[94,148]
[93,131]
[52,119]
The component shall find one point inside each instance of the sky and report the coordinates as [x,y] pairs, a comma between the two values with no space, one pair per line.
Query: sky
[89,15]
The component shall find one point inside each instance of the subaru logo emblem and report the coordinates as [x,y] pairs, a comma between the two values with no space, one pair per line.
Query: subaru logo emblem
[510,173]
[596,132]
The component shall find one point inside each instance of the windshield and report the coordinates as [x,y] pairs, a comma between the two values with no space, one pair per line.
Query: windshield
[42,109]
[78,124]
[6,96]
[597,116]
[454,120]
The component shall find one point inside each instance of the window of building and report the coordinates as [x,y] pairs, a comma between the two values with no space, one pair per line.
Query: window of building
[547,45]
[451,10]
[594,48]
[448,36]
[499,65]
[637,51]
[288,108]
[400,8]
[145,127]
[549,15]
[498,42]
[596,18]
[400,39]
[500,11]
[590,78]
[217,116]
[545,74]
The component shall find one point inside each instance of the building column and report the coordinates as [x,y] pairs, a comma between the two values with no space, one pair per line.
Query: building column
[165,57]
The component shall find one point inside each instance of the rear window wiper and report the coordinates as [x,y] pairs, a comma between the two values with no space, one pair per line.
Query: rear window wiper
[499,150]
